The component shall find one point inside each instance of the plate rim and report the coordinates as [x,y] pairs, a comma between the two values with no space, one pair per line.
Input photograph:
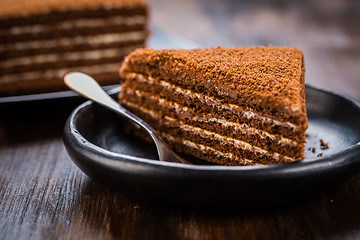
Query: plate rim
[74,141]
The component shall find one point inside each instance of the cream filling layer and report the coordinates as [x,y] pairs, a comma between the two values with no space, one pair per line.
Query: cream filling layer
[211,135]
[102,39]
[208,100]
[70,56]
[244,128]
[78,23]
[60,73]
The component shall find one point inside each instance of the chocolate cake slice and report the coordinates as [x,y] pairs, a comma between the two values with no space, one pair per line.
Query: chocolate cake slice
[231,106]
[42,40]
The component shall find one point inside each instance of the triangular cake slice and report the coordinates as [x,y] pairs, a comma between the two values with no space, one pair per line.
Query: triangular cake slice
[231,106]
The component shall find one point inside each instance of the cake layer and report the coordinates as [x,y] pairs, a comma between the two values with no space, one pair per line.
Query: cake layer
[61,60]
[181,131]
[50,46]
[207,153]
[5,39]
[26,75]
[40,11]
[41,73]
[76,23]
[49,80]
[215,123]
[64,43]
[204,104]
[265,78]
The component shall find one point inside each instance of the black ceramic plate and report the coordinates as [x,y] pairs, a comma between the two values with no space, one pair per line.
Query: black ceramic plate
[96,143]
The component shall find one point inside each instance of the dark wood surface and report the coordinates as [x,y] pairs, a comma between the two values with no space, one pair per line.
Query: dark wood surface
[43,195]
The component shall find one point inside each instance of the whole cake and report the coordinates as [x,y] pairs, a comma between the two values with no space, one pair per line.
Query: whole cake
[231,106]
[42,40]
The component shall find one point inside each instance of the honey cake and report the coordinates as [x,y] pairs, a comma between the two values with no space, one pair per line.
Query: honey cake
[230,106]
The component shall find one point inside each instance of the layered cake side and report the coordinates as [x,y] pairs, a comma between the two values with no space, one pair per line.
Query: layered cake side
[231,106]
[42,40]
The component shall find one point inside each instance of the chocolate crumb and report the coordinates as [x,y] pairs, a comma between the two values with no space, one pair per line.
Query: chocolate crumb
[312,149]
[320,154]
[323,145]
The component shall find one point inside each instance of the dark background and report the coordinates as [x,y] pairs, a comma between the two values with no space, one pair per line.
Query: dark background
[43,195]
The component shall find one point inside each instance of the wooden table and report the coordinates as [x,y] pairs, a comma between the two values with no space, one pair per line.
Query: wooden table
[43,195]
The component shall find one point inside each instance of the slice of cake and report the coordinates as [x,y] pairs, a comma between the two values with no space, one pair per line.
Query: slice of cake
[42,40]
[231,106]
